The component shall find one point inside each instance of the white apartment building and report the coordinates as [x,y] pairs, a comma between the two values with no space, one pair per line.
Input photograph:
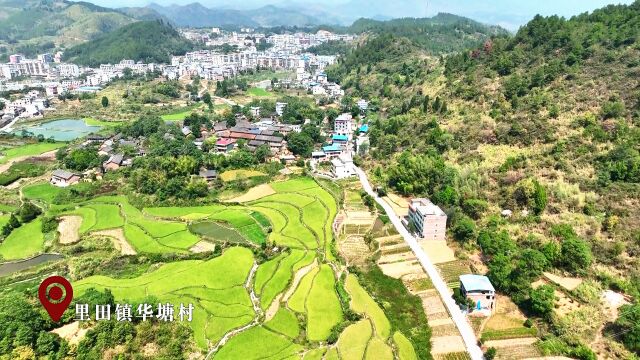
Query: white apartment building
[427,219]
[343,125]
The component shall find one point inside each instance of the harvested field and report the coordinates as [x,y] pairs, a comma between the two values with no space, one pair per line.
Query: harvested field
[447,344]
[400,269]
[254,193]
[354,250]
[438,251]
[400,205]
[359,218]
[69,227]
[397,257]
[119,240]
[203,246]
[232,175]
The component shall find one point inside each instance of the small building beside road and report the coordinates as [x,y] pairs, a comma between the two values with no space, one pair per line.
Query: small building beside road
[479,289]
[427,220]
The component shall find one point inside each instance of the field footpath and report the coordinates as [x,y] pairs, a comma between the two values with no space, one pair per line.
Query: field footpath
[468,336]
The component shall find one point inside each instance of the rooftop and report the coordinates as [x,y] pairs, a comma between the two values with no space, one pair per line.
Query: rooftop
[426,207]
[331,148]
[63,174]
[337,137]
[476,282]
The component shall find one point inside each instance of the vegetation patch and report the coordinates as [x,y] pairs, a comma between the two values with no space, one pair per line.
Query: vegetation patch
[23,242]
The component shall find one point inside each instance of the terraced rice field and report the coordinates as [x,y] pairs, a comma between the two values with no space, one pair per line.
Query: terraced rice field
[294,306]
[23,242]
[221,302]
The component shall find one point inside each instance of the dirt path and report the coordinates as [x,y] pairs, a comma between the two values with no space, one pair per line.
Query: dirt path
[68,228]
[275,304]
[119,241]
[298,277]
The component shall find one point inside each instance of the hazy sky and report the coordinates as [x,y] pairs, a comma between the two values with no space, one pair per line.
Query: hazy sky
[507,13]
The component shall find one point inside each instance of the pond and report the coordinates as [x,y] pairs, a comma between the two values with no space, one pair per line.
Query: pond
[60,130]
[216,231]
[16,266]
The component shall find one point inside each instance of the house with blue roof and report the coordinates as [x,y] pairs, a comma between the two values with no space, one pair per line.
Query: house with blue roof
[479,289]
[339,139]
[364,128]
[332,150]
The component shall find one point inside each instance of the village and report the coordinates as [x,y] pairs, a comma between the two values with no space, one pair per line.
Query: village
[48,76]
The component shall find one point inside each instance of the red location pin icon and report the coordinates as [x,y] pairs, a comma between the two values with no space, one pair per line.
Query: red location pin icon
[55,295]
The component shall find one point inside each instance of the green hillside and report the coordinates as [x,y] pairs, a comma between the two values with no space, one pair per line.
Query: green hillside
[148,41]
[38,26]
[442,33]
[543,123]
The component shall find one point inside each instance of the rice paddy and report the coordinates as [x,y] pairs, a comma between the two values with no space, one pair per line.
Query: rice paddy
[23,242]
[295,222]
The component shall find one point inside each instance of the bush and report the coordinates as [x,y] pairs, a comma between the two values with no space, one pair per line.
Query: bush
[576,255]
[464,229]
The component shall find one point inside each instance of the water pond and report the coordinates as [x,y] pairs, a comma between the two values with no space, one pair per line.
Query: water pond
[61,130]
[10,268]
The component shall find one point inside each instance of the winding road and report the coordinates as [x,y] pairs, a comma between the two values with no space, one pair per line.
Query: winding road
[468,336]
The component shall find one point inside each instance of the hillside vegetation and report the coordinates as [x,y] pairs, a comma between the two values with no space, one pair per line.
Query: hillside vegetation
[148,41]
[438,34]
[545,124]
[38,26]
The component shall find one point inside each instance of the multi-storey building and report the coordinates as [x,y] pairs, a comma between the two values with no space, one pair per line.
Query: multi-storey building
[427,219]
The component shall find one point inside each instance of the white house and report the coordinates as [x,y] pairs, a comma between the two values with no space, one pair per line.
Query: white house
[342,167]
[63,178]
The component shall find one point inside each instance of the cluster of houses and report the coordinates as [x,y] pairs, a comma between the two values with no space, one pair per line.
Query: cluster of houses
[30,105]
[247,38]
[215,65]
[347,138]
[264,132]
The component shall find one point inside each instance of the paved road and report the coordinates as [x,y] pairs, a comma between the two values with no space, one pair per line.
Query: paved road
[459,319]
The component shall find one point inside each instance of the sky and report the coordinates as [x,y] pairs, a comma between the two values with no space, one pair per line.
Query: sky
[507,13]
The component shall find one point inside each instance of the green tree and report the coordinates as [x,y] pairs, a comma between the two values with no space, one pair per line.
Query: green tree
[81,159]
[105,101]
[576,255]
[300,144]
[28,211]
[539,198]
[206,98]
[542,300]
[464,229]
[629,323]
[262,153]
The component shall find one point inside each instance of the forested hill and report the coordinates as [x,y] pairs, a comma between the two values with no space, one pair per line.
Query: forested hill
[544,124]
[443,33]
[148,41]
[36,26]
